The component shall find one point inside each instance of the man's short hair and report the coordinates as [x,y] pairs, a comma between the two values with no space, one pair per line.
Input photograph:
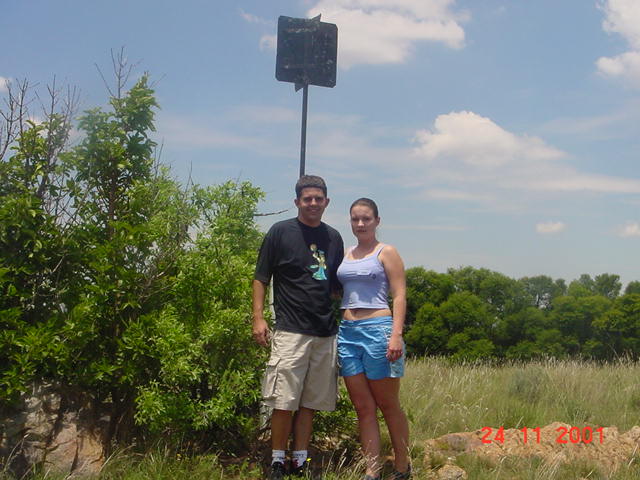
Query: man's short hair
[310,181]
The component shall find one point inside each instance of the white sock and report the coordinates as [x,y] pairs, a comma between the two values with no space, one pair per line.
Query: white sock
[299,457]
[277,456]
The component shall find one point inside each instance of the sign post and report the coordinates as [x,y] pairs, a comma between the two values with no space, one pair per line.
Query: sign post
[307,55]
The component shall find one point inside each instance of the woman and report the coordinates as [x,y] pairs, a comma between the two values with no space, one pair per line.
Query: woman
[370,345]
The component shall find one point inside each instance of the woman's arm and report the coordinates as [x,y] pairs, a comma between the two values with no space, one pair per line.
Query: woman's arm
[394,268]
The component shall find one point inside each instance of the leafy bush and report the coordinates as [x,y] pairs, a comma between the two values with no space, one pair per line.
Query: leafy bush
[120,283]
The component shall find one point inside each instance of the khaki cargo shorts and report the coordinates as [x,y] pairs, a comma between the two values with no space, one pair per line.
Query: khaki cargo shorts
[301,372]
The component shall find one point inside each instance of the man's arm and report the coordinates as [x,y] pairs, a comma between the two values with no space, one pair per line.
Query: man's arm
[261,332]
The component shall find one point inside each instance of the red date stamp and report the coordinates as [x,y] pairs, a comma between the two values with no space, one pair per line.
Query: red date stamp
[564,435]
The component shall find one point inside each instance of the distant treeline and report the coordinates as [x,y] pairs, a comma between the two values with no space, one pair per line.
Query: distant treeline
[470,313]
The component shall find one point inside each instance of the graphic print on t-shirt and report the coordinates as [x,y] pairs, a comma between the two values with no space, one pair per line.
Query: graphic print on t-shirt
[321,267]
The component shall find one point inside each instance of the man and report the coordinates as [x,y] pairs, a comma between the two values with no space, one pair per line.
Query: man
[302,254]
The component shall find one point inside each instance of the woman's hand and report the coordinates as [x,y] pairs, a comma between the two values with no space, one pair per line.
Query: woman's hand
[394,350]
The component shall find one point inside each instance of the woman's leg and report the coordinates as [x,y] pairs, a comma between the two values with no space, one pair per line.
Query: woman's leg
[386,395]
[365,405]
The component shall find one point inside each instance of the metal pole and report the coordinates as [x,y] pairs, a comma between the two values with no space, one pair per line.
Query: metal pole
[303,133]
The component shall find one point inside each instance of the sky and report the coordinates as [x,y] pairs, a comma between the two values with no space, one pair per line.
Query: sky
[501,134]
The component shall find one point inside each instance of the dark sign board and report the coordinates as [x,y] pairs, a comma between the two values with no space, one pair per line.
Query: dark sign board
[307,51]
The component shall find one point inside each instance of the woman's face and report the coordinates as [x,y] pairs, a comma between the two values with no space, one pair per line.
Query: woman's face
[363,221]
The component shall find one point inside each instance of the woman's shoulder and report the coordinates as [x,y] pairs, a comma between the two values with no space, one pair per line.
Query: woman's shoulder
[387,248]
[388,252]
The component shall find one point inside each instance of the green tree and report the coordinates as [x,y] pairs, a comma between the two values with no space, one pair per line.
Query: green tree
[583,286]
[123,285]
[469,324]
[428,334]
[632,287]
[551,342]
[520,326]
[608,285]
[618,329]
[460,327]
[426,286]
[542,289]
[574,317]
[208,372]
[502,295]
[33,245]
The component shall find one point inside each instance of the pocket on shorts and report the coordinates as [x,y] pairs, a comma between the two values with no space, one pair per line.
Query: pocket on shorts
[380,343]
[270,379]
[387,329]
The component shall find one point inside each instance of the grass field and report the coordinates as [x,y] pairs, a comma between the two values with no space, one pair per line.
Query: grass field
[441,398]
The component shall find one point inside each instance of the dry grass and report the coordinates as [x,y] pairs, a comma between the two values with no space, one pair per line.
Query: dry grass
[441,397]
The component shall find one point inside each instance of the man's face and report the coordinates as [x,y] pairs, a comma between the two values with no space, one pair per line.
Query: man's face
[311,205]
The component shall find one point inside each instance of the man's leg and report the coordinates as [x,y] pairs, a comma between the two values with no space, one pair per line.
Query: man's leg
[281,421]
[302,428]
[280,430]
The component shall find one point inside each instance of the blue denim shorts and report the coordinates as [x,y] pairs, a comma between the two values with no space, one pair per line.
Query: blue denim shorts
[362,348]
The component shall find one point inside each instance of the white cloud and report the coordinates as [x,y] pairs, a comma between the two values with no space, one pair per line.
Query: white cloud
[478,141]
[340,141]
[591,126]
[631,229]
[429,228]
[463,158]
[622,17]
[3,84]
[455,195]
[626,65]
[250,18]
[574,182]
[386,31]
[348,140]
[198,133]
[468,157]
[547,228]
[268,42]
[263,114]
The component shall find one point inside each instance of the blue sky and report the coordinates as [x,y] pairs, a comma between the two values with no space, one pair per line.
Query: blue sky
[502,134]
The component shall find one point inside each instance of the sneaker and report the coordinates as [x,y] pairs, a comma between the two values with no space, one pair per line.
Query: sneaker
[277,471]
[396,475]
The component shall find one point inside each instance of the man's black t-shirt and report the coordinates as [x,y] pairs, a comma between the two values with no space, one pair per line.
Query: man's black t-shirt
[303,261]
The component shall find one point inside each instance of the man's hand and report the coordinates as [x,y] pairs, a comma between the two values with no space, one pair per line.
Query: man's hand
[261,332]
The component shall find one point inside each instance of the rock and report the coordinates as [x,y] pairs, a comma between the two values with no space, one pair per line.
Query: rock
[451,472]
[57,434]
[554,443]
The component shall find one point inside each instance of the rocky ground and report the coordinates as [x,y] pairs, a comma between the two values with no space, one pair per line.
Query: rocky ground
[554,443]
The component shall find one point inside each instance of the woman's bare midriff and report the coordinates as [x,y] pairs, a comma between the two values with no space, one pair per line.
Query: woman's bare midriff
[363,313]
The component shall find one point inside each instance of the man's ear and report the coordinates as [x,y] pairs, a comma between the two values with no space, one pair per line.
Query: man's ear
[327,204]
[296,202]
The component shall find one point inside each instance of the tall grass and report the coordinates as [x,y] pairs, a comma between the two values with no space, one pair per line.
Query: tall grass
[441,397]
